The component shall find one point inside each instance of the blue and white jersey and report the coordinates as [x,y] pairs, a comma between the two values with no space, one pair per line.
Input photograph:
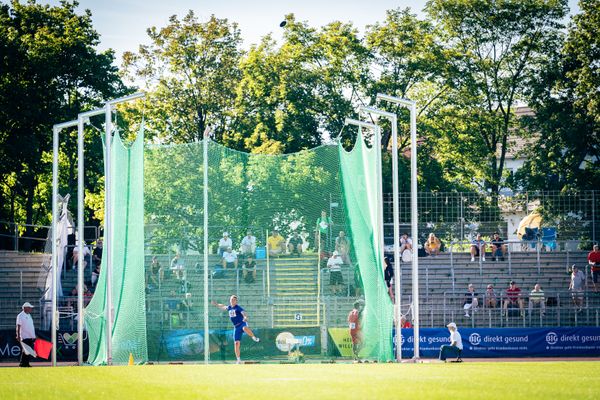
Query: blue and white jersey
[235,314]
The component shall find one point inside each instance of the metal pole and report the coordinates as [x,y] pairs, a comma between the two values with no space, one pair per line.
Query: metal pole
[205,212]
[108,230]
[414,218]
[55,131]
[318,236]
[268,266]
[80,233]
[55,142]
[593,216]
[414,213]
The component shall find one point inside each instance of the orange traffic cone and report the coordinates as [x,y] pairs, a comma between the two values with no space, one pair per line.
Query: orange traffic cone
[131,359]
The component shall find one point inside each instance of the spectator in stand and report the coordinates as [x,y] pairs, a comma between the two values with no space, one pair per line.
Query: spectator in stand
[248,244]
[342,246]
[87,296]
[97,253]
[95,274]
[295,244]
[406,248]
[404,323]
[455,346]
[230,259]
[224,243]
[406,243]
[498,247]
[336,279]
[594,262]
[433,245]
[513,296]
[276,244]
[153,274]
[490,297]
[249,269]
[304,235]
[355,331]
[478,248]
[537,299]
[471,302]
[87,254]
[25,332]
[177,266]
[577,286]
[388,276]
[322,230]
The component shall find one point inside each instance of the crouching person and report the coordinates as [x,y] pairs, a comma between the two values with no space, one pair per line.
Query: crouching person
[455,347]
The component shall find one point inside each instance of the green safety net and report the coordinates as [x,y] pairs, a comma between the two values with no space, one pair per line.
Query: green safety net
[361,182]
[128,275]
[285,295]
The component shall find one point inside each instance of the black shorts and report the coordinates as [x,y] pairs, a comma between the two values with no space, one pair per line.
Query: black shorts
[336,278]
[595,275]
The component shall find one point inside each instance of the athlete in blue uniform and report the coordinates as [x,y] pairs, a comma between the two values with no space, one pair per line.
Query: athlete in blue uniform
[239,320]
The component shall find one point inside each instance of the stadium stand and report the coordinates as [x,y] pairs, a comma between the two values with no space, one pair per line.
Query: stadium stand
[293,289]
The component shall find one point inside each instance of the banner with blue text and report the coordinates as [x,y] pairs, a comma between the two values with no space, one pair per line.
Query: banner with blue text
[509,342]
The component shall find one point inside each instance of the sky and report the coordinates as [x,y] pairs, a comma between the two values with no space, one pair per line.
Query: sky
[122,24]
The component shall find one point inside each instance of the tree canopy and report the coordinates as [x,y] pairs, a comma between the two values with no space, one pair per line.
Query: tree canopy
[468,64]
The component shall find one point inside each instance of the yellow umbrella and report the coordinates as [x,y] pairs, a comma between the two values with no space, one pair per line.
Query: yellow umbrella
[533,220]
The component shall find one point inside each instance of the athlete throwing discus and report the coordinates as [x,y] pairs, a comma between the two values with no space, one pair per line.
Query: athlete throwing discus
[239,320]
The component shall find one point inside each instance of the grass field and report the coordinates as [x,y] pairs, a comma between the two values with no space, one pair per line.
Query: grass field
[530,380]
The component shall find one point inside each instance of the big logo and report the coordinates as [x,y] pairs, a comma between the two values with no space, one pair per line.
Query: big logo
[401,340]
[475,339]
[70,339]
[551,338]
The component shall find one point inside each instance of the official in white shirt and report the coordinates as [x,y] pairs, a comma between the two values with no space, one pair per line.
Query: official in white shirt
[455,346]
[25,332]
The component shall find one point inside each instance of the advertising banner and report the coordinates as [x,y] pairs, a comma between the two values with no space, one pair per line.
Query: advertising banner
[188,344]
[509,342]
[342,340]
[66,346]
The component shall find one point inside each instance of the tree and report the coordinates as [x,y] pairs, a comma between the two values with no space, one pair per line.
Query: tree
[50,71]
[294,96]
[567,114]
[190,72]
[409,61]
[498,49]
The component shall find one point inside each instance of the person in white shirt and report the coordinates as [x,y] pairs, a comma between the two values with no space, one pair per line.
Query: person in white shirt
[230,259]
[406,247]
[86,256]
[25,332]
[336,279]
[406,243]
[455,346]
[248,245]
[224,243]
[177,266]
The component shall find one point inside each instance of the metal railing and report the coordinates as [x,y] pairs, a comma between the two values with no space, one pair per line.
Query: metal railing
[13,236]
[566,248]
[453,215]
[559,309]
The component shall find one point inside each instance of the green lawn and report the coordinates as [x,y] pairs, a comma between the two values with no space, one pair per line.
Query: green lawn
[531,380]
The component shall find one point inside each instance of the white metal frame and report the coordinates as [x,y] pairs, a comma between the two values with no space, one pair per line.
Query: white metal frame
[412,106]
[80,122]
